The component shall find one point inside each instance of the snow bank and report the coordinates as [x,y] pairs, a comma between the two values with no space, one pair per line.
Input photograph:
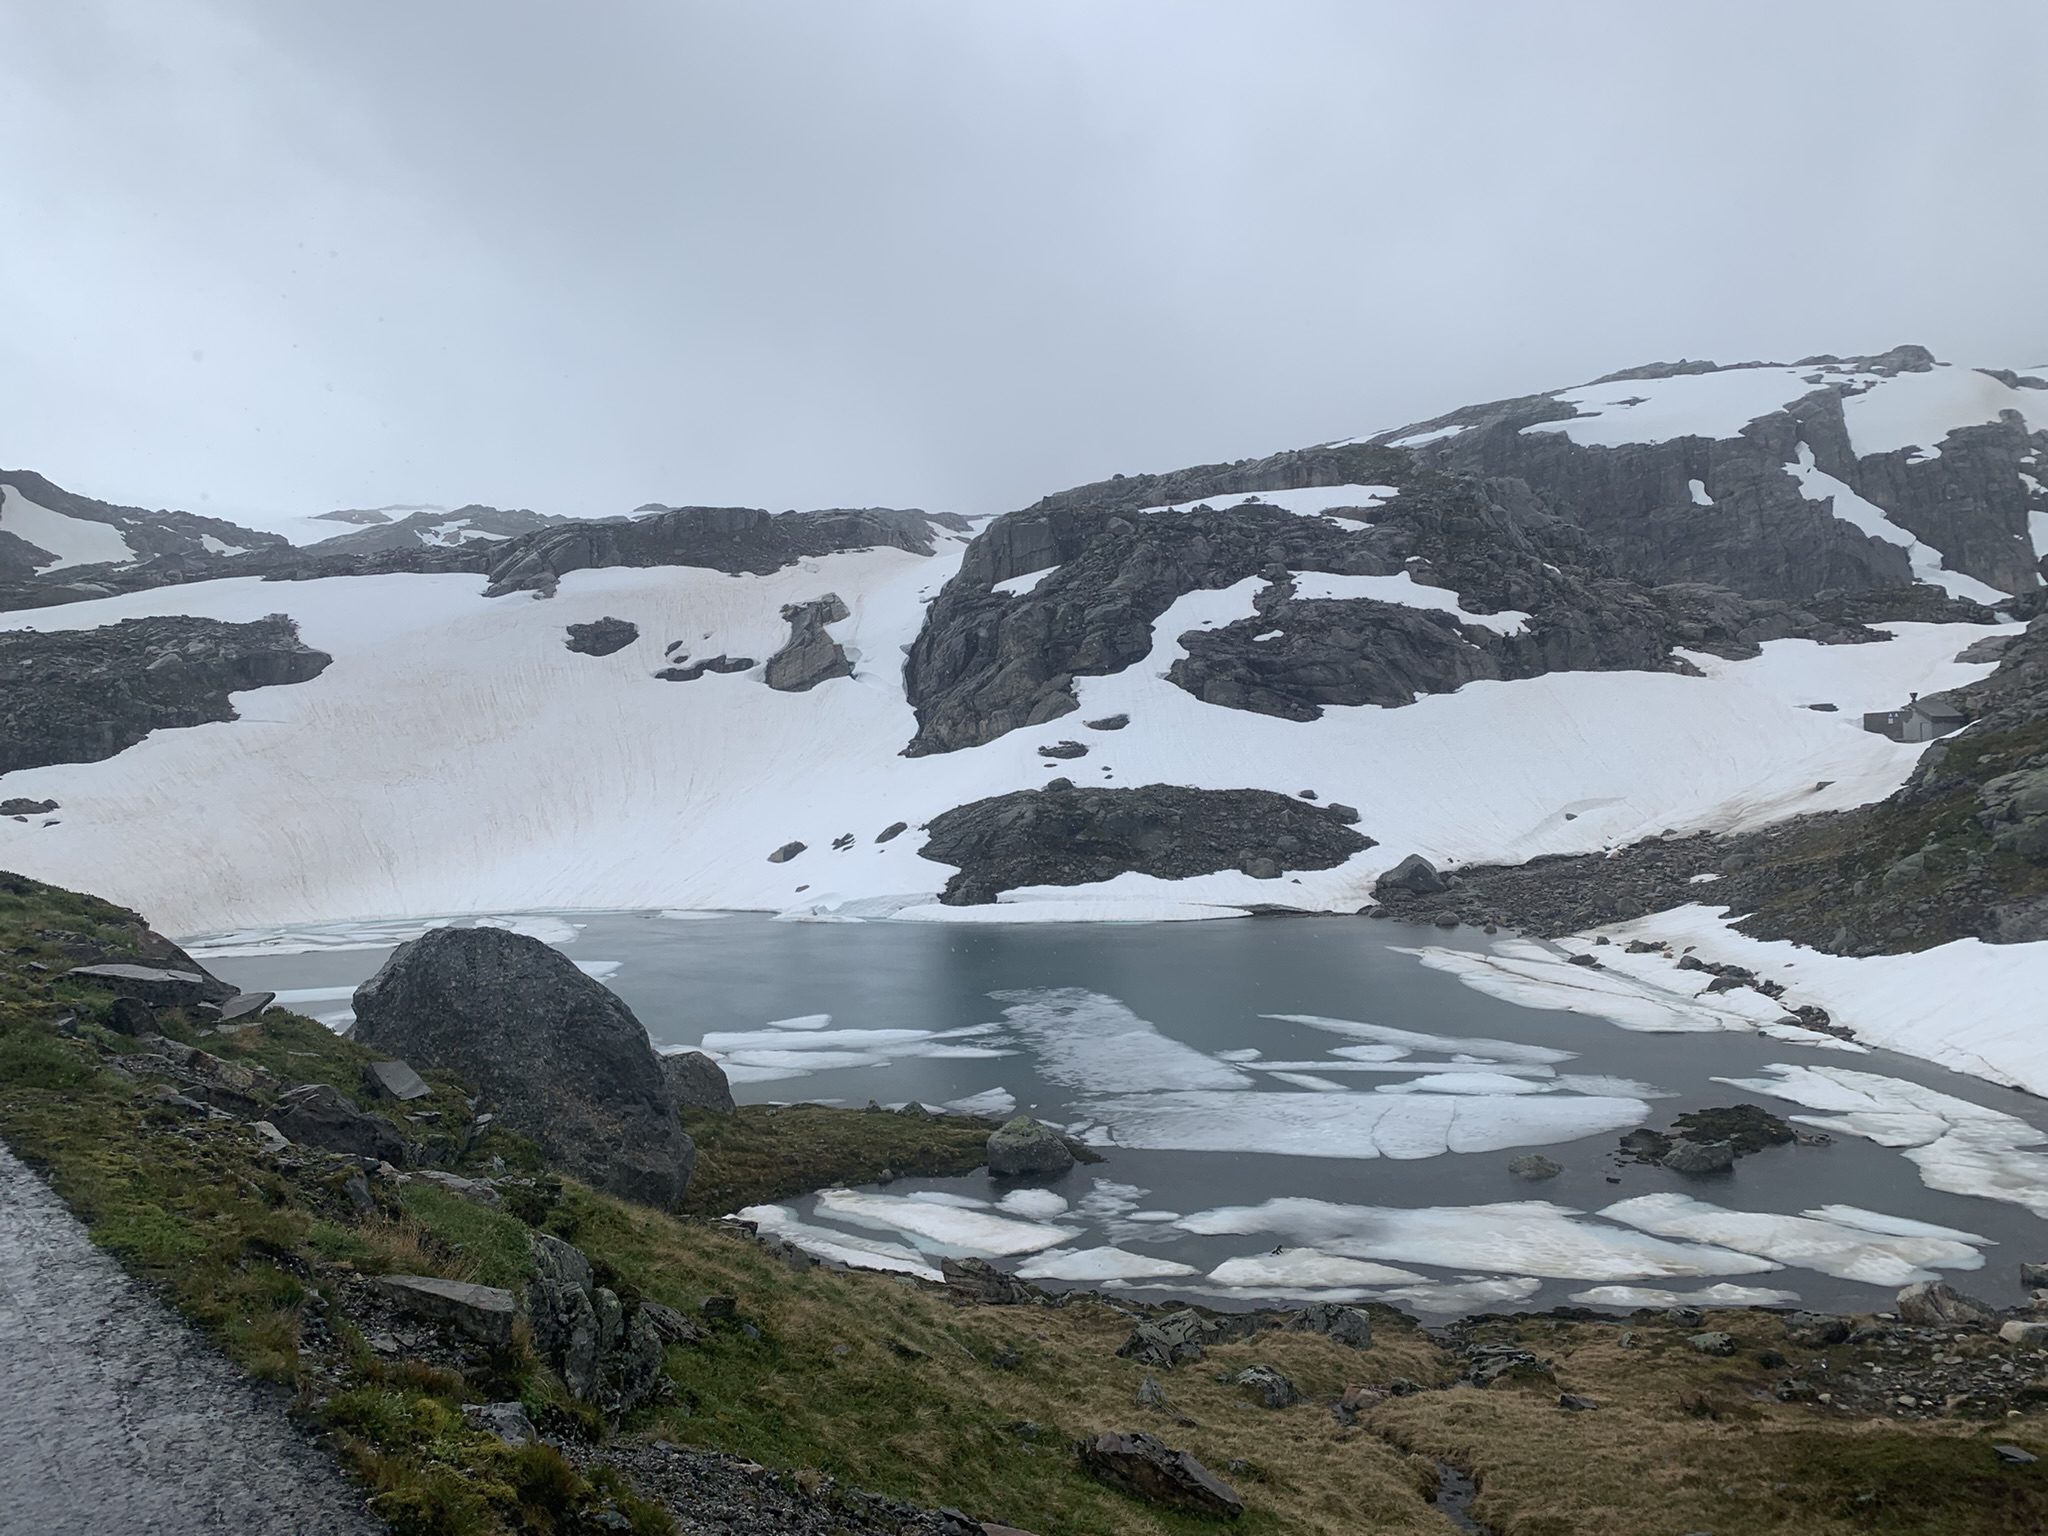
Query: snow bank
[1404,589]
[73,540]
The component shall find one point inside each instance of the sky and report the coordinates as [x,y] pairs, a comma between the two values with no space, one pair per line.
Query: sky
[286,255]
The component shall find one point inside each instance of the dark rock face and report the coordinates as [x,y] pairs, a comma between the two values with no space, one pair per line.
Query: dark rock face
[601,637]
[149,534]
[1968,501]
[1067,836]
[735,539]
[78,696]
[1150,1469]
[695,1081]
[810,656]
[320,1116]
[566,1063]
[1024,1146]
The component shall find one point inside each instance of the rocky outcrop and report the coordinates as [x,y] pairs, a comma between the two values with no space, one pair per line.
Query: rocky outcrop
[809,656]
[692,671]
[318,1115]
[695,1081]
[1933,1304]
[607,1353]
[732,539]
[1149,1469]
[1060,835]
[78,696]
[562,1060]
[601,637]
[1024,1147]
[1965,496]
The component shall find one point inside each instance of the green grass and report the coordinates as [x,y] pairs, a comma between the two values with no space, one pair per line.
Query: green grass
[767,1152]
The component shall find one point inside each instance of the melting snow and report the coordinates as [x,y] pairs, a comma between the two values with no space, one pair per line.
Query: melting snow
[1871,519]
[1099,1264]
[70,540]
[1017,586]
[1309,501]
[940,1226]
[1848,1253]
[1723,1295]
[1405,590]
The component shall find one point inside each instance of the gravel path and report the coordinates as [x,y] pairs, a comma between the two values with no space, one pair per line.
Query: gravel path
[116,1419]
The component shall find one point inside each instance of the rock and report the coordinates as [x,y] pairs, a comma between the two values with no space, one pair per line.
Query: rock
[131,1016]
[1150,1394]
[695,1081]
[21,806]
[601,637]
[720,663]
[1534,1167]
[785,853]
[1574,1403]
[1062,835]
[149,984]
[1165,1342]
[1345,1325]
[456,1184]
[810,655]
[1415,875]
[1337,810]
[508,1421]
[1106,723]
[317,1115]
[1024,1146]
[670,1325]
[245,1005]
[395,1079]
[2024,1335]
[274,1141]
[605,1355]
[1815,1330]
[1711,1343]
[1064,749]
[357,1190]
[484,1312]
[564,1062]
[1932,1304]
[980,1283]
[1261,868]
[1147,1468]
[1267,1385]
[894,830]
[720,1308]
[2034,1277]
[1588,960]
[2013,1456]
[1488,1364]
[80,696]
[1695,1159]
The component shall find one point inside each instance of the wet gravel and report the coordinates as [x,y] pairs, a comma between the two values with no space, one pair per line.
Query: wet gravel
[116,1418]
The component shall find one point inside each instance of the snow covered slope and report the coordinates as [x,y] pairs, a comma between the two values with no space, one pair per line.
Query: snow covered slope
[456,756]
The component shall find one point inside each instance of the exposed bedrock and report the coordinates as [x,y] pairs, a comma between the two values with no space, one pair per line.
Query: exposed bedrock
[77,696]
[601,637]
[732,539]
[561,1058]
[988,662]
[1762,536]
[1060,835]
[810,655]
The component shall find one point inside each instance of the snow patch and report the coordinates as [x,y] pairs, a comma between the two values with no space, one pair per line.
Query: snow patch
[1405,590]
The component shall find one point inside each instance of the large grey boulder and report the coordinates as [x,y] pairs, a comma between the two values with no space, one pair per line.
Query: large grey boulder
[317,1115]
[601,637]
[484,1312]
[1415,875]
[695,1081]
[1931,1304]
[1148,1468]
[563,1060]
[1024,1146]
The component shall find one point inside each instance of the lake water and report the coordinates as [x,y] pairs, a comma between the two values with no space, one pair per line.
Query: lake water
[1394,1094]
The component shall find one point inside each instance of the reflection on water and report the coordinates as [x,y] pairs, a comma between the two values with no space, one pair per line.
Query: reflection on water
[1297,1108]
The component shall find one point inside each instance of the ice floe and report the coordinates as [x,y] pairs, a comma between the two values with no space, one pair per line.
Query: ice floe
[1086,1040]
[1807,1242]
[1723,1295]
[1085,1264]
[1039,1204]
[1525,1237]
[1291,1270]
[840,1247]
[1416,1040]
[943,1226]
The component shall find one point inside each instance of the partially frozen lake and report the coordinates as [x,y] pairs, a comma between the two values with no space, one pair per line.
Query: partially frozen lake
[1301,1109]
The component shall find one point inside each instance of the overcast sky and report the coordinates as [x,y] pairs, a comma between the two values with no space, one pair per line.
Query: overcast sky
[258,254]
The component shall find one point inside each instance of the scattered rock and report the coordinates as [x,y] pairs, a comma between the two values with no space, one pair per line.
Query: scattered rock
[1711,1343]
[1165,1342]
[1345,1325]
[894,830]
[1337,810]
[1574,1403]
[396,1079]
[1106,723]
[1815,1330]
[721,663]
[1147,1468]
[1488,1364]
[508,1421]
[244,1005]
[605,1356]
[1024,1146]
[483,1312]
[2024,1335]
[131,1016]
[1150,1394]
[19,806]
[2034,1277]
[2013,1456]
[1267,1385]
[785,853]
[1932,1304]
[603,636]
[1696,1159]
[1064,749]
[564,1061]
[317,1115]
[980,1283]
[695,1081]
[1534,1167]
[150,984]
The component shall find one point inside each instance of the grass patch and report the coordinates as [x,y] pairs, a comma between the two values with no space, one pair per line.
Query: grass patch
[768,1152]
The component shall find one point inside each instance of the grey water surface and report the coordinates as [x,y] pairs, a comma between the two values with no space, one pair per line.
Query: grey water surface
[1209,986]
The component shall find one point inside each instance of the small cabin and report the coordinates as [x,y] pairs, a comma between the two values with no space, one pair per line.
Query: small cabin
[1920,720]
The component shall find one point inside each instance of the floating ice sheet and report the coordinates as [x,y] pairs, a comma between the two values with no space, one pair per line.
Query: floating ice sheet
[1099,1264]
[840,1247]
[1723,1295]
[1848,1253]
[1416,1040]
[1292,1270]
[945,1227]
[1089,1041]
[1038,1204]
